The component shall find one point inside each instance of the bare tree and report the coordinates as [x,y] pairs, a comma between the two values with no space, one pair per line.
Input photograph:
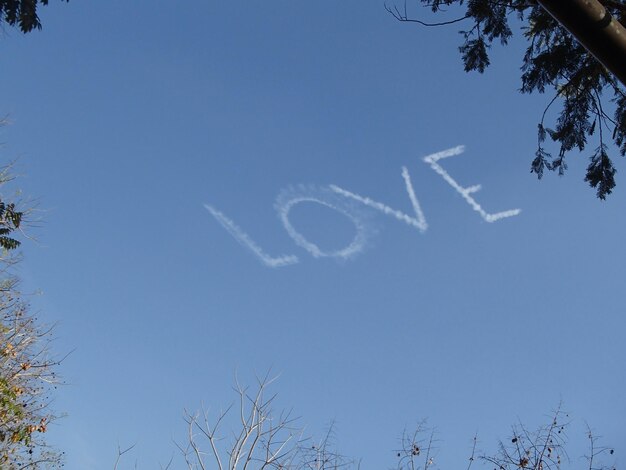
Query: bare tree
[596,452]
[323,455]
[543,449]
[417,448]
[263,439]
[120,453]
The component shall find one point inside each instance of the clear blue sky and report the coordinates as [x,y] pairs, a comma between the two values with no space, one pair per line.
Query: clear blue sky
[128,117]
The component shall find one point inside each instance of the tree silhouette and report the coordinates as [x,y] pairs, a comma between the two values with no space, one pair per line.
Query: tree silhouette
[21,13]
[554,60]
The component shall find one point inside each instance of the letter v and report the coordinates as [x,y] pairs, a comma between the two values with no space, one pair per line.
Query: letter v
[419,222]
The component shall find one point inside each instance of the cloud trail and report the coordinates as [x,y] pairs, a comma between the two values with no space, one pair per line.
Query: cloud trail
[418,222]
[290,197]
[432,160]
[244,239]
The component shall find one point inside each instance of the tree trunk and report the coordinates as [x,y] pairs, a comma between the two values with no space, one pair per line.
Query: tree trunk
[594,27]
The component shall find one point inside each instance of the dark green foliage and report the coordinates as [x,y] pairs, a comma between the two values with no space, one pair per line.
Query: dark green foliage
[21,13]
[554,62]
[474,53]
[600,172]
[10,220]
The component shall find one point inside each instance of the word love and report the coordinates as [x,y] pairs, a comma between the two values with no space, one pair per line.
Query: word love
[351,205]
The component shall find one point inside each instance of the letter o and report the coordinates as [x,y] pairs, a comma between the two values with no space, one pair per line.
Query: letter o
[286,202]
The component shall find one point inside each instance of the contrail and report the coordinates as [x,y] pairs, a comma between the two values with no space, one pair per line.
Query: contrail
[243,238]
[419,222]
[290,197]
[432,159]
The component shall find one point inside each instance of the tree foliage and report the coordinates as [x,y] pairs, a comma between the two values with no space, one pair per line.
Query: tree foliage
[21,13]
[10,220]
[553,61]
[26,370]
[26,376]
